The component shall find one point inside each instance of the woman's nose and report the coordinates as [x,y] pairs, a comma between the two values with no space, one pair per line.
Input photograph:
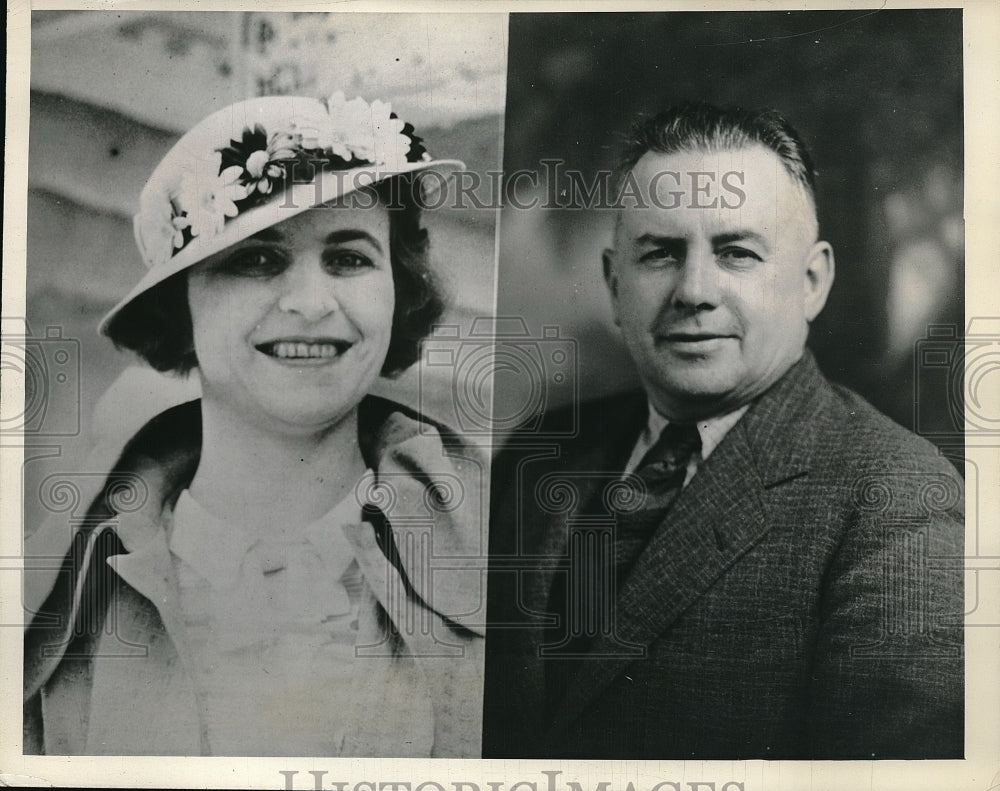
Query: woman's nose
[308,291]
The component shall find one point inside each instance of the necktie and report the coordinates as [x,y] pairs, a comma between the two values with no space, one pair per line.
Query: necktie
[661,472]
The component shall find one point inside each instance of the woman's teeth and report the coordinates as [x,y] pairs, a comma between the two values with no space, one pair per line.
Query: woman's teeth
[289,350]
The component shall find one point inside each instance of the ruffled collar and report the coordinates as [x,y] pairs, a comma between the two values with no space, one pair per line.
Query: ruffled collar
[217,549]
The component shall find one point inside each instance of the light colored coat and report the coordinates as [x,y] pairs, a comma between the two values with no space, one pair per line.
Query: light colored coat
[106,667]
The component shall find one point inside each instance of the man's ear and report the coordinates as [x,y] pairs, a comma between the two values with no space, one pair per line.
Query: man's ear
[607,259]
[611,280]
[819,276]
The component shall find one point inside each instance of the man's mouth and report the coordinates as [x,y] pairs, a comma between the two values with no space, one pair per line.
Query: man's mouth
[297,349]
[692,337]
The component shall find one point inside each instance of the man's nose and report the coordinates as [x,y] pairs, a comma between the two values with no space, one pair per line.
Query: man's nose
[308,290]
[697,284]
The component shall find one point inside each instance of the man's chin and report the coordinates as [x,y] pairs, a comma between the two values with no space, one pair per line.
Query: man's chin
[700,394]
[706,371]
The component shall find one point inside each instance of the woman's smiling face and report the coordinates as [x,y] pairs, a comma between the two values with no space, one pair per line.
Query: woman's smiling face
[292,325]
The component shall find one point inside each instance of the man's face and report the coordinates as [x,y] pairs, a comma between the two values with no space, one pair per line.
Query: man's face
[715,276]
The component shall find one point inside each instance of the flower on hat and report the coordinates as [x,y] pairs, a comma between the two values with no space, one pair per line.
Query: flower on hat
[391,146]
[356,130]
[341,131]
[159,230]
[223,182]
[370,132]
[262,159]
[209,197]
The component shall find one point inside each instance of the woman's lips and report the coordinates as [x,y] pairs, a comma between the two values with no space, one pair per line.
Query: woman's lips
[301,349]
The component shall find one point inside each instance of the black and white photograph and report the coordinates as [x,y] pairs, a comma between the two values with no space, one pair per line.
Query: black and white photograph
[739,547]
[251,528]
[501,396]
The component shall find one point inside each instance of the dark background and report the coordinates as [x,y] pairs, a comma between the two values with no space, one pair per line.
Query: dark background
[877,95]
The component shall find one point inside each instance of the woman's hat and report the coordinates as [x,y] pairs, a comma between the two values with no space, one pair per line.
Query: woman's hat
[259,162]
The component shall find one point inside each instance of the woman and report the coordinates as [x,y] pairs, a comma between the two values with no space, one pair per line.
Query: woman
[258,574]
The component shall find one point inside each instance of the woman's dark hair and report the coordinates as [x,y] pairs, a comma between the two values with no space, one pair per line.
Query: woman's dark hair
[157,325]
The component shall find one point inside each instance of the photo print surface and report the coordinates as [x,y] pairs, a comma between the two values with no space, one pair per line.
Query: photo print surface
[253,525]
[714,535]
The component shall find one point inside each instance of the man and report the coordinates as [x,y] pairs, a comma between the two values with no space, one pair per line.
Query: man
[743,560]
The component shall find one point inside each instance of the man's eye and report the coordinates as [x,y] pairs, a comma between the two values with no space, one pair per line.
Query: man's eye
[660,257]
[347,262]
[253,262]
[739,255]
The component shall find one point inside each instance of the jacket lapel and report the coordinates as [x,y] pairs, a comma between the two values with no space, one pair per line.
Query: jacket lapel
[583,466]
[585,473]
[147,567]
[718,517]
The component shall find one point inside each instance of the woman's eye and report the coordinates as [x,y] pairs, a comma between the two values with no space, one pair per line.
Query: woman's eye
[253,262]
[347,262]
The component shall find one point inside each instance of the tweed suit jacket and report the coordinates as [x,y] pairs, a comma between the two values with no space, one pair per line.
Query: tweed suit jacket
[802,598]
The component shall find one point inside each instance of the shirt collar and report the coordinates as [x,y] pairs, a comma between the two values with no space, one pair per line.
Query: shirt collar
[711,430]
[216,549]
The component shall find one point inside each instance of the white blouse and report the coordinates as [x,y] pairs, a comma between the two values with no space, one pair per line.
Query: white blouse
[271,623]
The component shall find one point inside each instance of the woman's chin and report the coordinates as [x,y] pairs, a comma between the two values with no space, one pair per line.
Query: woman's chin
[281,415]
[310,419]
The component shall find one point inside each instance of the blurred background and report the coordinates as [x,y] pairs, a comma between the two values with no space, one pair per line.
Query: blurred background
[110,94]
[877,95]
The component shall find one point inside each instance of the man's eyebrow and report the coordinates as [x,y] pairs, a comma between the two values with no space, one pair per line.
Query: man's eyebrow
[353,235]
[660,240]
[740,236]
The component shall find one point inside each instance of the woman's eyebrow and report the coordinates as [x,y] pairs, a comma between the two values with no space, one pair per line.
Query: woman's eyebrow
[268,235]
[353,235]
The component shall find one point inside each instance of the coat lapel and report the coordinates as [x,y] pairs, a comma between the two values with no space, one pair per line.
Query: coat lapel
[583,466]
[148,568]
[585,473]
[718,517]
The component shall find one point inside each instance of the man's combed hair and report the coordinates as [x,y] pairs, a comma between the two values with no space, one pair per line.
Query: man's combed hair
[157,325]
[699,126]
